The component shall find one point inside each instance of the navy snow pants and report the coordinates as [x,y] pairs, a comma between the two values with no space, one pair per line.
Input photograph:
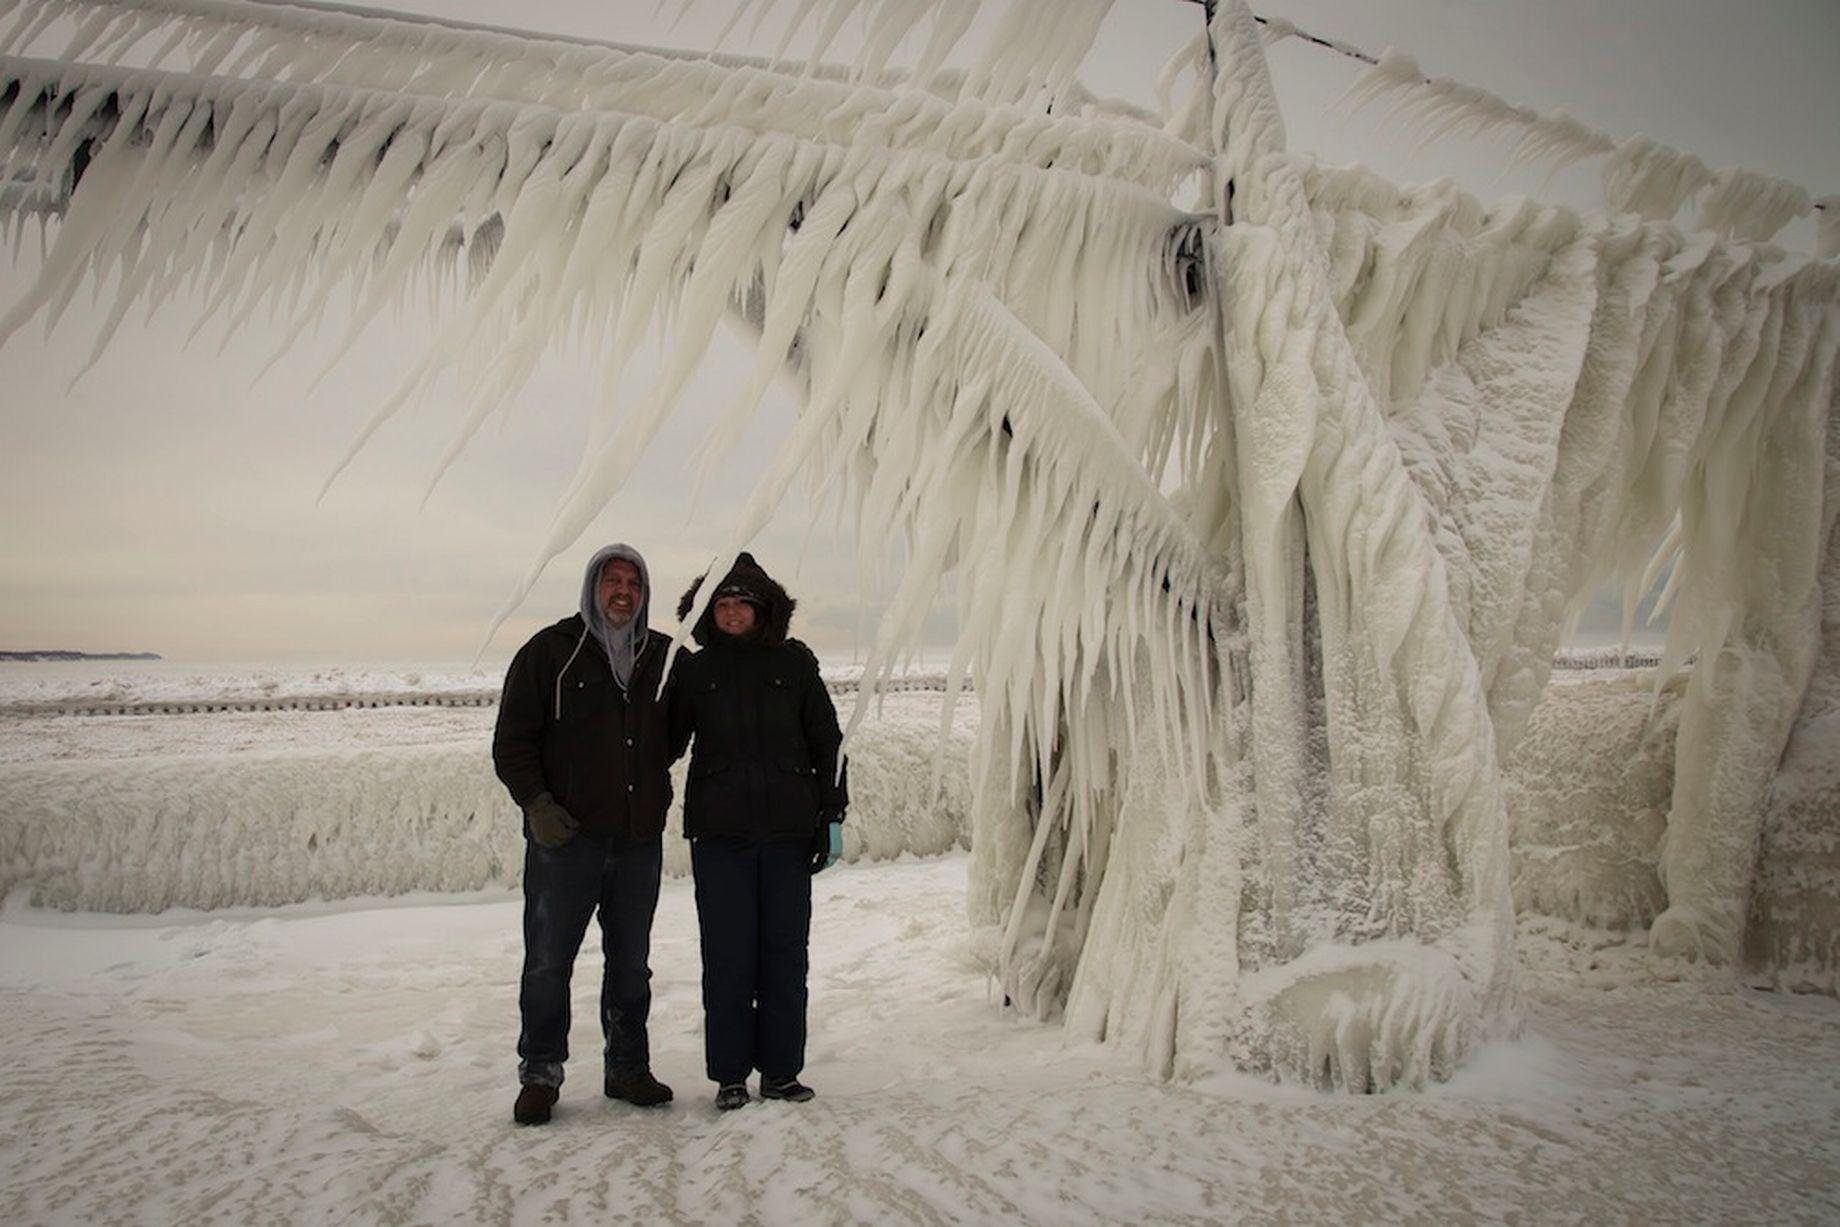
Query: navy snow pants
[563,888]
[753,908]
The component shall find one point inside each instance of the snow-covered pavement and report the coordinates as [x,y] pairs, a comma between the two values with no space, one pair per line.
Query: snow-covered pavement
[353,1063]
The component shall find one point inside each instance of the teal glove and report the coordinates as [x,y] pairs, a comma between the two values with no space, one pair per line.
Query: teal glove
[550,824]
[827,844]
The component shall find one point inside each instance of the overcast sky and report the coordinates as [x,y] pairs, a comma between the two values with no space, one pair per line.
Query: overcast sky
[165,501]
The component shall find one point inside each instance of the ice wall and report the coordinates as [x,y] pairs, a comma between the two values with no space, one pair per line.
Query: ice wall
[1589,788]
[1582,399]
[1589,792]
[257,830]
[1793,937]
[141,835]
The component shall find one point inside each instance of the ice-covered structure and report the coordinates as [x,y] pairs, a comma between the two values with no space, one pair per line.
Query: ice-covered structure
[283,822]
[1265,514]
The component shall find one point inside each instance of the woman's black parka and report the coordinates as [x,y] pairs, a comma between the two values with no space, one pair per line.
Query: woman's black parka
[765,762]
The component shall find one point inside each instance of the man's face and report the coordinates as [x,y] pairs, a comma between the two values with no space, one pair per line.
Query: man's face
[734,615]
[620,591]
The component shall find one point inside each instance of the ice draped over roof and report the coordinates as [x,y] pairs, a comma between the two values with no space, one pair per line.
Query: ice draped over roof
[1265,516]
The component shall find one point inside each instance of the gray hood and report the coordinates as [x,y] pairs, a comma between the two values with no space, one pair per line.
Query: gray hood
[623,644]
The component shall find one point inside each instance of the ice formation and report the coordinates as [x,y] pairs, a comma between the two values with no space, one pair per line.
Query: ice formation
[1588,789]
[284,824]
[1265,517]
[1640,175]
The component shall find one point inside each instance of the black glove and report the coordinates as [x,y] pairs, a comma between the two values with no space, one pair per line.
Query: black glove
[827,840]
[550,824]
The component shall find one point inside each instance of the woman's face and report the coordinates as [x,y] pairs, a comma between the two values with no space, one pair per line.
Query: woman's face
[734,616]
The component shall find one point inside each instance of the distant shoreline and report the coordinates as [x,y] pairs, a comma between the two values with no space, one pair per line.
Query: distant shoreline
[63,655]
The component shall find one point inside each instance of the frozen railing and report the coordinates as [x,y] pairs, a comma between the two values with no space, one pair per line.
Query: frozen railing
[1606,658]
[203,705]
[189,707]
[840,686]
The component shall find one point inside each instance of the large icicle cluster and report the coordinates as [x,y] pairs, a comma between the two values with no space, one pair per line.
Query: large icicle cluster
[1035,50]
[986,307]
[1452,423]
[282,43]
[1264,522]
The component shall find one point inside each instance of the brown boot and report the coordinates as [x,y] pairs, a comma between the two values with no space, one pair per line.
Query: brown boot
[533,1104]
[637,1087]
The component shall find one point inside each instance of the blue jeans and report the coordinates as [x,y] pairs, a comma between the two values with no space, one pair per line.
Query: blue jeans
[563,888]
[753,908]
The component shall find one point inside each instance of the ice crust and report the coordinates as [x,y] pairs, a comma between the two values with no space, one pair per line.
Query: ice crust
[1589,793]
[1792,937]
[1589,787]
[269,826]
[1265,520]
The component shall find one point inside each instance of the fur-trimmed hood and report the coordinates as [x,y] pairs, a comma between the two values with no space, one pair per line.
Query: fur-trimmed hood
[745,578]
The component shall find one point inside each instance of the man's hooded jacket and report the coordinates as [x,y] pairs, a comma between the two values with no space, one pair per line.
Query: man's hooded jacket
[765,764]
[568,727]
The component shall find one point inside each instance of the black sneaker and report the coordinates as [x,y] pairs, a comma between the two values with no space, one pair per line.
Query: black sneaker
[732,1095]
[637,1087]
[533,1104]
[789,1089]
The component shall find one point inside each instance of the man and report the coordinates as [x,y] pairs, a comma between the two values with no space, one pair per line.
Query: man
[583,747]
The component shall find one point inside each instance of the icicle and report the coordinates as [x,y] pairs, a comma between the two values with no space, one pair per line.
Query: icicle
[1648,178]
[1827,243]
[94,210]
[1749,206]
[1640,175]
[356,50]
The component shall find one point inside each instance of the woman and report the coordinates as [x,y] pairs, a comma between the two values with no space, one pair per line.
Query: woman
[762,809]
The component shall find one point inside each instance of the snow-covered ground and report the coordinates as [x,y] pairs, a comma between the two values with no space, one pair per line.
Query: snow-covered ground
[356,1065]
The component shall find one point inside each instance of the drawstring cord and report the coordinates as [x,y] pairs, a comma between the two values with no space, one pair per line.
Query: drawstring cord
[565,667]
[644,644]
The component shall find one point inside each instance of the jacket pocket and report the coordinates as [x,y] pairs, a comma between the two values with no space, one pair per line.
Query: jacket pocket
[716,715]
[711,803]
[794,805]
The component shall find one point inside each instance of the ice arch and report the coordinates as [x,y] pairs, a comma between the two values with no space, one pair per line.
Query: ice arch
[1265,516]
